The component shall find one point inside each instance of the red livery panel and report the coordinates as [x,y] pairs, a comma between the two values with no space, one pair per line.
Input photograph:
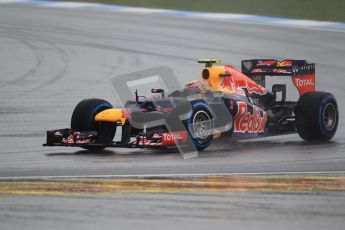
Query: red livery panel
[247,122]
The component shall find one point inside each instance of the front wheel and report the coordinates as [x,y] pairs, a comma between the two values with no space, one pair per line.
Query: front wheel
[200,126]
[83,119]
[317,116]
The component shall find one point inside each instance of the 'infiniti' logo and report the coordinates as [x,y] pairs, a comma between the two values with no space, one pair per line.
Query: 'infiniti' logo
[295,69]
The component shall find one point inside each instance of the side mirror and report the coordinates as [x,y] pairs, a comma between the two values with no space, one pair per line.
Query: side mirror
[157,90]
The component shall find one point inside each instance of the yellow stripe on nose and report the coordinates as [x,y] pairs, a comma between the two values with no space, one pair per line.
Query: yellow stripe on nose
[111,115]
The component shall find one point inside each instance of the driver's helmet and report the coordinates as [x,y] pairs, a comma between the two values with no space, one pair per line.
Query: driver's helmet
[193,84]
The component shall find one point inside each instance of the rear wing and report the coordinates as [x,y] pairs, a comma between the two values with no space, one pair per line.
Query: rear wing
[301,72]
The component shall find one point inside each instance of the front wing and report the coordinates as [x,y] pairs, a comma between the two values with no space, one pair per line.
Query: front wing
[72,138]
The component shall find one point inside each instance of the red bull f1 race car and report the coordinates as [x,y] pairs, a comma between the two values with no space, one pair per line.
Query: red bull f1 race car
[225,101]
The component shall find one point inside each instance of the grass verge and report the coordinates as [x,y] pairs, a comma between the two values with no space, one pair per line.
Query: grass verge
[331,10]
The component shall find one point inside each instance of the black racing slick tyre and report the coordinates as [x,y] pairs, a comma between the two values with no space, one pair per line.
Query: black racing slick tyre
[317,116]
[200,125]
[83,119]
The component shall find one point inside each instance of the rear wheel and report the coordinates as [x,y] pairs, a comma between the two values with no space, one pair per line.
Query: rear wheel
[83,119]
[317,116]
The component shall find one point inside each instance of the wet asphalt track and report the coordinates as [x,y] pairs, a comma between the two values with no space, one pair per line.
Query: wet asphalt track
[53,58]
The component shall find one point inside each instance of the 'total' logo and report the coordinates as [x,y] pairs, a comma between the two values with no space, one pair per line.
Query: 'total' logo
[304,83]
[171,137]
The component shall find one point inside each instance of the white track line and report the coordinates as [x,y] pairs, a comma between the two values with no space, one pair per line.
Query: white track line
[172,175]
